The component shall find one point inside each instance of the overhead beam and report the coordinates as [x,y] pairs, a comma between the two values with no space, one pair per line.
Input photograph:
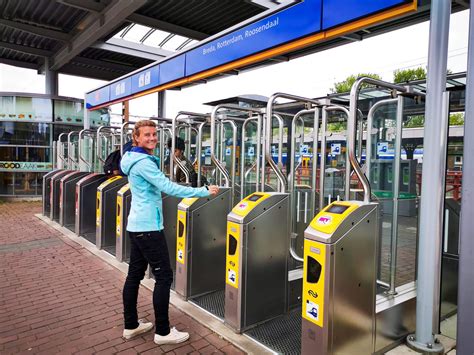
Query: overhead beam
[99,74]
[166,26]
[96,7]
[104,64]
[279,59]
[88,5]
[96,28]
[26,49]
[140,48]
[353,37]
[127,51]
[19,63]
[36,30]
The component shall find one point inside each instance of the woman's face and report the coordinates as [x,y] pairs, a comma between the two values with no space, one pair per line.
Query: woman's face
[147,139]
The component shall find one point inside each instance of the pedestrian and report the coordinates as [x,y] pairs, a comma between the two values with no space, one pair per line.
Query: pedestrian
[147,241]
[179,154]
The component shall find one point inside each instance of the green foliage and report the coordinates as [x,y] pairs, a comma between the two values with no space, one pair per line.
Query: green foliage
[405,75]
[456,119]
[336,126]
[346,85]
[415,121]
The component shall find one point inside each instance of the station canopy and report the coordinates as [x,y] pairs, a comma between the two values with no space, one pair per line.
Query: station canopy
[107,39]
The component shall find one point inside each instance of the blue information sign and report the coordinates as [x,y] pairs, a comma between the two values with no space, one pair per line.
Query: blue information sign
[121,89]
[98,97]
[146,79]
[172,69]
[289,24]
[338,12]
[284,26]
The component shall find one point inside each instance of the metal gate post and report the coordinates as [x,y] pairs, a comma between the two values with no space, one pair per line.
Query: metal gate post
[465,340]
[433,187]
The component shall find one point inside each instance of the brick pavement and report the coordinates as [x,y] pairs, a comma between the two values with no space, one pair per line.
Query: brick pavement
[57,297]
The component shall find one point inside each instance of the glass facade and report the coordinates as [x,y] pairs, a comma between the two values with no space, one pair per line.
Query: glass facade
[28,127]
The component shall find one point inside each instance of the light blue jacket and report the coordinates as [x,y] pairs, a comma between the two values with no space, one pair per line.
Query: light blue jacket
[147,182]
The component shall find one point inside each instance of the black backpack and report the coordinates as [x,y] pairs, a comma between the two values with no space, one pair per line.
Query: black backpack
[112,163]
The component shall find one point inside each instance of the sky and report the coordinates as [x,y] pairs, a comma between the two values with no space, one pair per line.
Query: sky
[310,76]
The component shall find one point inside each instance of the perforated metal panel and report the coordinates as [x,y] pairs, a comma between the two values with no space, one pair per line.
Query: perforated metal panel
[282,334]
[212,302]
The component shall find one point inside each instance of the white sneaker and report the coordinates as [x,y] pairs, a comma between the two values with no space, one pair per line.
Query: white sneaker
[143,327]
[174,337]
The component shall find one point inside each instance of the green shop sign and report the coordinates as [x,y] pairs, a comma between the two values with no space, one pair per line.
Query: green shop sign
[25,166]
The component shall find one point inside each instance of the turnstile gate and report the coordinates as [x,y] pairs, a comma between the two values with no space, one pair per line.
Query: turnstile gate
[170,210]
[200,250]
[86,190]
[106,205]
[122,240]
[47,191]
[257,280]
[54,184]
[340,280]
[67,198]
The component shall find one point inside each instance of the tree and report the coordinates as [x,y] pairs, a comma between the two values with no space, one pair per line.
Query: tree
[346,85]
[405,75]
[456,119]
[415,121]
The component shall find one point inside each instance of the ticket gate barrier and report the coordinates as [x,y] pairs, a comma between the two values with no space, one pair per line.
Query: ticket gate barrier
[47,191]
[200,250]
[257,257]
[170,209]
[86,190]
[339,280]
[54,194]
[67,198]
[122,240]
[106,204]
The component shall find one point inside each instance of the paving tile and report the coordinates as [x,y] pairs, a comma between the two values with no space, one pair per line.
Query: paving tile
[57,297]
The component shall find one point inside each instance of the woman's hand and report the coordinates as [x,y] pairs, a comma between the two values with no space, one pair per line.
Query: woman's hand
[213,189]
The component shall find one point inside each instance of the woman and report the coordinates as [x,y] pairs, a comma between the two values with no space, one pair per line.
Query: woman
[147,241]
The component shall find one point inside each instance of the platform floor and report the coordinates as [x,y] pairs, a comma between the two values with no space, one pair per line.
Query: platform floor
[58,297]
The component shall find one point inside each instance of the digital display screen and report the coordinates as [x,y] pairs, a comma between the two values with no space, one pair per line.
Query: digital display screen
[337,209]
[254,197]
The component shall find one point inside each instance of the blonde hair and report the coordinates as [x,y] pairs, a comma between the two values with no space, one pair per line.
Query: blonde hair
[138,125]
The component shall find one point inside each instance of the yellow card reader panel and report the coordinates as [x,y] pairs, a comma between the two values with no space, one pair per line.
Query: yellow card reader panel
[314,269]
[332,216]
[249,203]
[189,201]
[232,254]
[181,236]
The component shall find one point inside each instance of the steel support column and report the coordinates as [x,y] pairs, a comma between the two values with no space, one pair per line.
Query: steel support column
[50,79]
[465,340]
[433,184]
[161,103]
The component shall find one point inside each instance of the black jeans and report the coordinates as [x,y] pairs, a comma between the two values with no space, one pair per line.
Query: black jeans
[148,248]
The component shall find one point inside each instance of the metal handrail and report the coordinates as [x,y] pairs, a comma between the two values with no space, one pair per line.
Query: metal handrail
[60,150]
[351,129]
[243,176]
[98,146]
[81,158]
[234,149]
[122,141]
[214,159]
[70,160]
[173,135]
[268,132]
[291,181]
[199,151]
[370,119]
